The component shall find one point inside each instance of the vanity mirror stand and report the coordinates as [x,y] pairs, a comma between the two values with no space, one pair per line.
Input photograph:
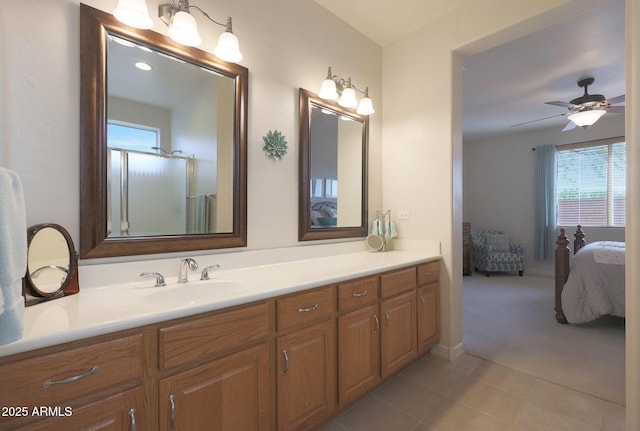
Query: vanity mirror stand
[52,264]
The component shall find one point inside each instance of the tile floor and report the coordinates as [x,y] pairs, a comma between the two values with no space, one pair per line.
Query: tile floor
[472,394]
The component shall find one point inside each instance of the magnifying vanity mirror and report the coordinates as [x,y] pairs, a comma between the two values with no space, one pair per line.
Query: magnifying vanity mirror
[52,264]
[333,170]
[163,143]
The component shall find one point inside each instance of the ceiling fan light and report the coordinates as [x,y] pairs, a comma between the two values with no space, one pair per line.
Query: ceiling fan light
[586,118]
[134,13]
[184,29]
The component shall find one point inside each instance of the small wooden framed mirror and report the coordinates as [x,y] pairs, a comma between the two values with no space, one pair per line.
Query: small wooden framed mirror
[52,264]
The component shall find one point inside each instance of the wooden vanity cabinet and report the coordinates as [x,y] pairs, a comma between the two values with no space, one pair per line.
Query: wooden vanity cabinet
[286,363]
[215,372]
[428,305]
[305,358]
[399,342]
[120,412]
[94,384]
[358,338]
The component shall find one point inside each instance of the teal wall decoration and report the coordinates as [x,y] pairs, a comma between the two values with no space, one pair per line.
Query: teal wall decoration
[275,145]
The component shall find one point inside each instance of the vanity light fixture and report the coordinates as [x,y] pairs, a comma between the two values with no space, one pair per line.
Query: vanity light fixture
[183,28]
[333,87]
[587,117]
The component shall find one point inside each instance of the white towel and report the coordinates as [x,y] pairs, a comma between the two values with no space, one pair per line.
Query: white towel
[390,229]
[13,255]
[376,228]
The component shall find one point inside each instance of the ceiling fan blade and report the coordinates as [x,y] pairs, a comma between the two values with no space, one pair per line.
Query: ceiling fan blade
[570,125]
[558,103]
[615,100]
[539,119]
[614,109]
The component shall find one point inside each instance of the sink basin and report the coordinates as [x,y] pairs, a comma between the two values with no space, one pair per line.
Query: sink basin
[195,292]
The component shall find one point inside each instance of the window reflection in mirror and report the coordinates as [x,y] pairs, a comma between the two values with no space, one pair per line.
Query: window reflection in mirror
[333,151]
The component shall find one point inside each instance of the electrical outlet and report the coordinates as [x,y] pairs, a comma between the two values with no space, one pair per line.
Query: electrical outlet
[404,215]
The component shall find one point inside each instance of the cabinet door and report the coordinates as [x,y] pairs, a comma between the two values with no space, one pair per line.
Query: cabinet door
[428,316]
[358,353]
[231,393]
[121,412]
[306,376]
[399,339]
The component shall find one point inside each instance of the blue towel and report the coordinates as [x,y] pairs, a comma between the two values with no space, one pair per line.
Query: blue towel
[13,255]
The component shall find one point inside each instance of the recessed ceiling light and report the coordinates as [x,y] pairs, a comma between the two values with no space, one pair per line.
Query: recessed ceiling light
[143,66]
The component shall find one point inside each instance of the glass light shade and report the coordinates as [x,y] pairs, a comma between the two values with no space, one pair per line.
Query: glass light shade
[134,13]
[328,90]
[365,107]
[184,29]
[228,48]
[348,98]
[586,118]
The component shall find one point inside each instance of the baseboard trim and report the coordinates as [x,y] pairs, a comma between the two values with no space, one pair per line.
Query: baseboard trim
[449,353]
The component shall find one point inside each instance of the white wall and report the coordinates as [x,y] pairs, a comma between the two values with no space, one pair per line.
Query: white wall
[286,44]
[509,159]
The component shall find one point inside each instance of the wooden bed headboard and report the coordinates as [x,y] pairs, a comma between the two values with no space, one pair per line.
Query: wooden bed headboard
[562,266]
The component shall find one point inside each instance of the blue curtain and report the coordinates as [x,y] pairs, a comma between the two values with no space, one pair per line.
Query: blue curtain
[545,202]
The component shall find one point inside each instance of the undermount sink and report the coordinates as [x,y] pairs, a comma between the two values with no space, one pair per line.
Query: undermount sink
[195,292]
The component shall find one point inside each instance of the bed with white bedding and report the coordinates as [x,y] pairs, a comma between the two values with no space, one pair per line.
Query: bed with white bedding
[591,283]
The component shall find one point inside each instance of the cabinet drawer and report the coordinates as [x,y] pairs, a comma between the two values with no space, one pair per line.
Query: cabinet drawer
[57,378]
[428,273]
[397,282]
[306,307]
[355,294]
[211,336]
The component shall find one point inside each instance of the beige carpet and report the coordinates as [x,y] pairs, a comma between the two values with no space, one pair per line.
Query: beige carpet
[510,320]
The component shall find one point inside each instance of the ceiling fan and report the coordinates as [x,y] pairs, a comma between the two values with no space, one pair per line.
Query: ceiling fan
[585,110]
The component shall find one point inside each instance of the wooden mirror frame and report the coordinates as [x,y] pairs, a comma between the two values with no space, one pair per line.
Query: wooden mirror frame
[94,242]
[305,232]
[33,295]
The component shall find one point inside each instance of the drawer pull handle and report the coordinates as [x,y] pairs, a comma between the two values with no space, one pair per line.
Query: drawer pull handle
[306,310]
[428,273]
[361,294]
[285,371]
[50,382]
[132,415]
[377,327]
[172,419]
[386,315]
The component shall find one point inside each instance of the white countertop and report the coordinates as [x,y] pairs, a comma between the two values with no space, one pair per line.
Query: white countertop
[102,310]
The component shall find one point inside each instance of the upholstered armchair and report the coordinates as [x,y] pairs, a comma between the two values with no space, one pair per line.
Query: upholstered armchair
[491,251]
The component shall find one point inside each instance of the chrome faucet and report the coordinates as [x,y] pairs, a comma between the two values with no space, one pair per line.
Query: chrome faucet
[205,272]
[186,264]
[159,278]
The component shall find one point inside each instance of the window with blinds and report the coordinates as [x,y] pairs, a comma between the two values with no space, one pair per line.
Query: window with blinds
[591,184]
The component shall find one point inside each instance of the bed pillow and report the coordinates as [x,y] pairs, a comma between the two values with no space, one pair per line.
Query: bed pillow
[499,242]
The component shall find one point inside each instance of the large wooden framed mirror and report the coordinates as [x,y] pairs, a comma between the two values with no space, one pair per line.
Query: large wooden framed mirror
[163,151]
[333,170]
